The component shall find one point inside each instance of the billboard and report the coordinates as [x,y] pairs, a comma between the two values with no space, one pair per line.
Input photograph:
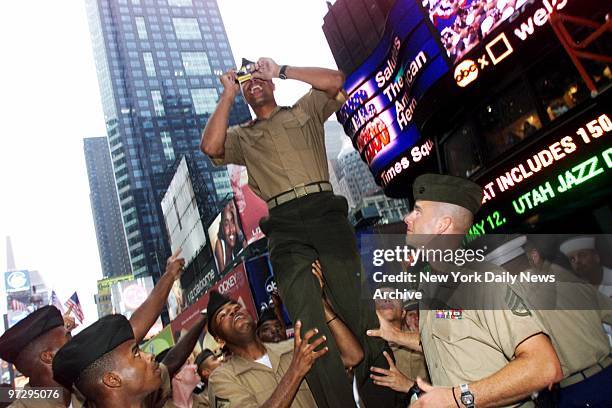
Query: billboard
[235,285]
[263,284]
[128,295]
[181,214]
[160,342]
[17,281]
[226,236]
[105,284]
[250,208]
[385,92]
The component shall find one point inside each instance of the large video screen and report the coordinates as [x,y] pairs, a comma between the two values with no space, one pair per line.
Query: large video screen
[463,24]
[384,94]
[226,236]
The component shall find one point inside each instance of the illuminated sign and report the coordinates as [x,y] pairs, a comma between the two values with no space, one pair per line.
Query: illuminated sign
[473,22]
[17,281]
[538,179]
[384,94]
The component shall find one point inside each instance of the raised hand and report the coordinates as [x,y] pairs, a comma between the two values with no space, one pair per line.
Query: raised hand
[230,86]
[266,68]
[175,264]
[391,378]
[69,321]
[304,354]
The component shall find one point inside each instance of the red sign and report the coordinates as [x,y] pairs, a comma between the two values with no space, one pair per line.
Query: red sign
[235,285]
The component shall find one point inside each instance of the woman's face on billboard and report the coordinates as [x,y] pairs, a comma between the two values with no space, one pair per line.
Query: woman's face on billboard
[229,226]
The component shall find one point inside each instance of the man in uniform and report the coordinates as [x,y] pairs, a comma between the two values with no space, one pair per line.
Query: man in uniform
[409,364]
[259,374]
[269,327]
[496,355]
[284,152]
[585,261]
[572,312]
[206,362]
[106,365]
[33,342]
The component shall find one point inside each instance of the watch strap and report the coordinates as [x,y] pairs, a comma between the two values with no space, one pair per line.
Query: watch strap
[281,72]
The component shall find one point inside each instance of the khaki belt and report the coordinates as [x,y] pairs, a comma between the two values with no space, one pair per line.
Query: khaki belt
[586,373]
[298,191]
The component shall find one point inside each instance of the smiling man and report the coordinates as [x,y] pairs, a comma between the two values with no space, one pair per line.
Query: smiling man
[283,150]
[259,375]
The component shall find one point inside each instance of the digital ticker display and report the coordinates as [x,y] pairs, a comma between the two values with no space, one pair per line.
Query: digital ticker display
[384,94]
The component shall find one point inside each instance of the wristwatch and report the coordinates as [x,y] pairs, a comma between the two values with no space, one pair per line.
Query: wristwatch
[281,73]
[467,398]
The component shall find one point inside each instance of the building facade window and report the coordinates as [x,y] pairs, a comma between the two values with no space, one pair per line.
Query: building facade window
[204,100]
[141,27]
[186,28]
[180,3]
[158,103]
[167,145]
[149,64]
[196,63]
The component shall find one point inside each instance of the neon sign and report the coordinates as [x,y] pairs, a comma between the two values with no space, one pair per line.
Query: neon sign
[553,153]
[591,166]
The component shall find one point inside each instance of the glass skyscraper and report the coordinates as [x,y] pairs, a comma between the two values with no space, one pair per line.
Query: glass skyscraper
[157,63]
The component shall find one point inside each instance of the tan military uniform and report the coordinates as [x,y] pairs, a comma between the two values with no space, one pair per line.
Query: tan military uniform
[241,383]
[285,150]
[575,329]
[480,342]
[410,363]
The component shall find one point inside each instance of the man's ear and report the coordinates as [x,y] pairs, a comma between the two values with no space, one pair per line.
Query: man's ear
[47,356]
[443,224]
[111,380]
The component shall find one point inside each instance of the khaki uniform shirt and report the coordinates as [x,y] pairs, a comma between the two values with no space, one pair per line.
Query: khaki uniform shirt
[285,150]
[242,383]
[574,327]
[482,341]
[410,363]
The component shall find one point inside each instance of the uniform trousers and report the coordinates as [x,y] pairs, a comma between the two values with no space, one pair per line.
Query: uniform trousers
[316,227]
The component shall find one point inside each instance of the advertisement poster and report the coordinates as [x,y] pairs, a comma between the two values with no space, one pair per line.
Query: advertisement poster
[261,278]
[234,285]
[251,208]
[128,295]
[160,342]
[226,236]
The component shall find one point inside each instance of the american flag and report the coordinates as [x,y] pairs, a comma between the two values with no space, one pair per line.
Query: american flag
[18,306]
[56,302]
[76,306]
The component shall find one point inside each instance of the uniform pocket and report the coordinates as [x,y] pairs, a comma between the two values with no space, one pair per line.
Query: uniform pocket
[297,129]
[252,137]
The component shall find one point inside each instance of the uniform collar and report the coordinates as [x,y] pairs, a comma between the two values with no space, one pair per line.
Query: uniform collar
[255,121]
[242,365]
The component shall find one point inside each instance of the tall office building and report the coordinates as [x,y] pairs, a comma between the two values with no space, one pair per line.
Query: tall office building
[157,63]
[355,181]
[114,257]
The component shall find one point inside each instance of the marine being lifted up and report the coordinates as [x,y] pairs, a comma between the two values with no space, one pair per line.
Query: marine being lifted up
[283,149]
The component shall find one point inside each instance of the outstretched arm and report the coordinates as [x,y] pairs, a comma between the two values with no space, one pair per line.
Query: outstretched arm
[350,350]
[177,356]
[329,81]
[147,313]
[215,132]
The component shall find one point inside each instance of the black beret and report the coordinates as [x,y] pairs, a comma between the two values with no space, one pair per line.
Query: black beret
[267,315]
[29,328]
[215,302]
[88,346]
[448,189]
[203,356]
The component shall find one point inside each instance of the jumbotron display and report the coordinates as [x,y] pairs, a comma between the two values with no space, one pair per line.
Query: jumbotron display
[385,91]
[460,41]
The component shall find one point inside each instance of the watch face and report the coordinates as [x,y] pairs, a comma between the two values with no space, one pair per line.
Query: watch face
[467,399]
